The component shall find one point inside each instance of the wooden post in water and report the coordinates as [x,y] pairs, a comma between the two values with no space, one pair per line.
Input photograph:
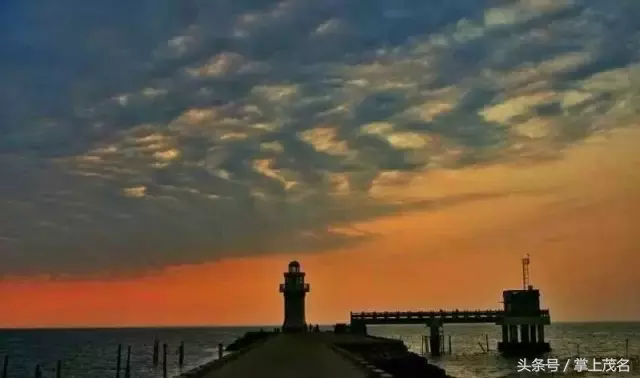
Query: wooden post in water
[578,349]
[127,368]
[486,340]
[118,360]
[164,360]
[38,372]
[220,351]
[449,344]
[426,344]
[59,369]
[626,348]
[156,347]
[181,354]
[5,366]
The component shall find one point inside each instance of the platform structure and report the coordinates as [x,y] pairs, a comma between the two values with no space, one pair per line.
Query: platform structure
[523,323]
[522,320]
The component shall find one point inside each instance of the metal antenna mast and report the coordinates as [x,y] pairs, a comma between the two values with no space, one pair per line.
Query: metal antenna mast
[525,272]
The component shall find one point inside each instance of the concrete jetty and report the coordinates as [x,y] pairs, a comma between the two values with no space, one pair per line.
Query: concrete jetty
[298,350]
[290,356]
[320,355]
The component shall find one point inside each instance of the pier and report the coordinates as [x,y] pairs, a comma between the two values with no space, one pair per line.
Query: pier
[522,320]
[521,333]
[297,350]
[426,317]
[290,356]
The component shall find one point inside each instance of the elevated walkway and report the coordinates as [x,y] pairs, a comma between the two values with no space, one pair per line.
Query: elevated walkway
[442,317]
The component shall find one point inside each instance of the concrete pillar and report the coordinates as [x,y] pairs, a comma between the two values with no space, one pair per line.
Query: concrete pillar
[434,340]
[505,333]
[359,328]
[524,333]
[513,334]
[540,333]
[533,333]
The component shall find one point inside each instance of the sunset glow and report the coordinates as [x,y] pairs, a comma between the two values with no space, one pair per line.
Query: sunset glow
[413,173]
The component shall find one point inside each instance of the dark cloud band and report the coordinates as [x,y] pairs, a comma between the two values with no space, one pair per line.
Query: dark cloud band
[134,137]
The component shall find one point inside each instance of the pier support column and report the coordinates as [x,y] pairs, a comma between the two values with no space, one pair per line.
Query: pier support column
[533,333]
[434,340]
[524,333]
[513,334]
[541,333]
[505,333]
[358,328]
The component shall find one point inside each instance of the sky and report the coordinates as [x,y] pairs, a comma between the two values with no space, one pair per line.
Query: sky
[162,162]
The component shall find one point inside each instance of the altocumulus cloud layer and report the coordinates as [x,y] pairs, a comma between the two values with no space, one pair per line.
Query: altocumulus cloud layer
[136,135]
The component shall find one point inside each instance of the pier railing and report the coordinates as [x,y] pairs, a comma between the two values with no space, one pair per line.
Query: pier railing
[450,316]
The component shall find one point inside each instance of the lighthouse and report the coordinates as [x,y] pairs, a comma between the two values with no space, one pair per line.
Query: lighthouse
[294,291]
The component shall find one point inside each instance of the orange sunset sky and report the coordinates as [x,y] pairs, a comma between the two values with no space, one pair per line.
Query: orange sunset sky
[579,223]
[164,167]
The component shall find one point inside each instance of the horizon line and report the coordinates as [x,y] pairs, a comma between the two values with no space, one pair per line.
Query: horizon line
[267,326]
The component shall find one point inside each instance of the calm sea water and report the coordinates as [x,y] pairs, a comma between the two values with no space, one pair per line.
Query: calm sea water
[595,340]
[91,353]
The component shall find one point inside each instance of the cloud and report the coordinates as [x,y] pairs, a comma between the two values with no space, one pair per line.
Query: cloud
[184,132]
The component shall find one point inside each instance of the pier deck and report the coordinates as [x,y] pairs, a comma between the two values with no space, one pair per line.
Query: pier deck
[290,356]
[426,317]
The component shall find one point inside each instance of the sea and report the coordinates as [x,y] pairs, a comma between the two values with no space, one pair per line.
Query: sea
[92,353]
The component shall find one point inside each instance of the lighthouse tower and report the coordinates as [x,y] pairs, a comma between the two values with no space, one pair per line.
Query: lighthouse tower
[294,290]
